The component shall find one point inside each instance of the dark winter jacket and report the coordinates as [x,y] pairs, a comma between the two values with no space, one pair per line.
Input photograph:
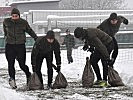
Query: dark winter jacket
[110,29]
[43,47]
[14,31]
[98,39]
[69,41]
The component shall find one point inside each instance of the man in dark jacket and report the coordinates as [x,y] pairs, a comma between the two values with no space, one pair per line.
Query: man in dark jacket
[44,48]
[70,43]
[103,46]
[14,32]
[111,27]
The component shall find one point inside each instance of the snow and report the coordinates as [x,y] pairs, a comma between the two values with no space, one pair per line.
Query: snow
[57,30]
[53,17]
[40,22]
[8,94]
[102,11]
[13,95]
[73,72]
[34,1]
[125,32]
[78,97]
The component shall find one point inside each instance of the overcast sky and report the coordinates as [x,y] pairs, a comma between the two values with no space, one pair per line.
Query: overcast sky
[129,3]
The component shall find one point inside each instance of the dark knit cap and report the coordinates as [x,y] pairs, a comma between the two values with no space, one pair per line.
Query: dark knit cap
[67,30]
[78,32]
[15,11]
[113,16]
[50,34]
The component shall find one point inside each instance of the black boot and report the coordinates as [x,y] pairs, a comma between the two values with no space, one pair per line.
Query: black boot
[49,86]
[12,83]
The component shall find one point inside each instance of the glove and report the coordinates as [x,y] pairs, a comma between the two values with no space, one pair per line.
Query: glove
[58,68]
[35,38]
[85,47]
[91,49]
[73,46]
[33,68]
[54,66]
[110,62]
[125,21]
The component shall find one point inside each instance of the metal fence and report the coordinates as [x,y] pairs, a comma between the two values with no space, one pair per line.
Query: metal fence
[39,20]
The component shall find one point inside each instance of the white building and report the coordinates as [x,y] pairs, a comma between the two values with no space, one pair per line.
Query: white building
[25,6]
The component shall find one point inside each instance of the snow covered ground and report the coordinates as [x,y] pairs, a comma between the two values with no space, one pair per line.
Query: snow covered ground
[73,73]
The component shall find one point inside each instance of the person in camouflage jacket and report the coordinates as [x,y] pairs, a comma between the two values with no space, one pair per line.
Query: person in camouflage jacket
[103,45]
[15,29]
[111,27]
[70,43]
[44,47]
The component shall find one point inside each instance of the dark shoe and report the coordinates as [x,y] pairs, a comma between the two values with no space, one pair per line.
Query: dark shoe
[12,83]
[70,62]
[42,87]
[97,82]
[49,86]
[103,84]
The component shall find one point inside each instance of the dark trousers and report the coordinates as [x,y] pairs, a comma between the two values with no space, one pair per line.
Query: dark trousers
[13,51]
[69,55]
[115,50]
[94,59]
[39,61]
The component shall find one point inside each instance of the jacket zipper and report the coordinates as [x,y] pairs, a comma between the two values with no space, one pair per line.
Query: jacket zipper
[14,32]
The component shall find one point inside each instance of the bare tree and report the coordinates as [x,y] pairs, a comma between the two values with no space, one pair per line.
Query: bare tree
[92,4]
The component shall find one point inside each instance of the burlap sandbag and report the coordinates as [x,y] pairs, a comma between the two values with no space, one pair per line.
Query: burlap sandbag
[34,83]
[60,81]
[113,78]
[88,75]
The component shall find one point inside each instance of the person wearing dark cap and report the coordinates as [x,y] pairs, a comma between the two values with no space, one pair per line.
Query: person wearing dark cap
[14,33]
[111,27]
[70,43]
[44,48]
[103,46]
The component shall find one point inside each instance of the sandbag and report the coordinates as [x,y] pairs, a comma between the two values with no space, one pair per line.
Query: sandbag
[88,75]
[60,81]
[113,78]
[34,83]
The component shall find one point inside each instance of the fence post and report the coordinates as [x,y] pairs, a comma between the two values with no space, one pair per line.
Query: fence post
[49,24]
[57,34]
